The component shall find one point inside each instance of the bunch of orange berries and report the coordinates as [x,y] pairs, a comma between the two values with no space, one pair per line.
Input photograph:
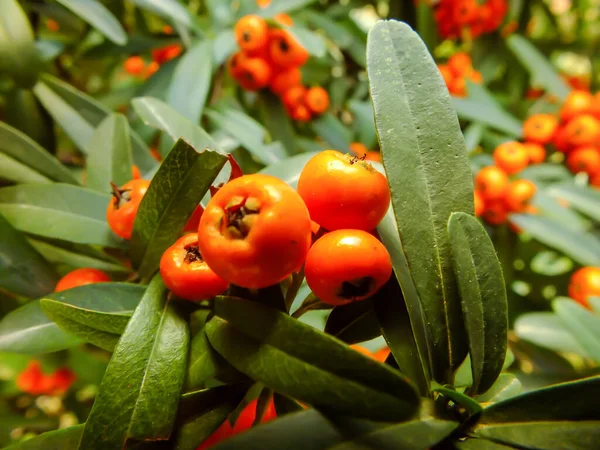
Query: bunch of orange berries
[270,57]
[575,131]
[32,380]
[456,71]
[457,18]
[137,67]
[495,195]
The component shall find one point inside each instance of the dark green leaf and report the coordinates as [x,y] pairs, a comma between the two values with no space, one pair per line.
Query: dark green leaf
[191,81]
[541,70]
[353,323]
[480,444]
[96,14]
[140,391]
[506,386]
[335,378]
[167,9]
[22,270]
[278,123]
[60,211]
[333,131]
[547,330]
[483,297]
[566,401]
[28,330]
[28,116]
[429,176]
[460,399]
[98,328]
[63,439]
[24,149]
[583,325]
[109,154]
[285,405]
[18,55]
[581,247]
[583,199]
[176,190]
[545,435]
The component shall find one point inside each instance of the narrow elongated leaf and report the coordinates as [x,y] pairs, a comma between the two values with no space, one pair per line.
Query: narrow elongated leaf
[547,330]
[176,190]
[424,155]
[16,172]
[18,55]
[22,270]
[273,339]
[28,116]
[109,154]
[98,328]
[333,131]
[65,101]
[28,330]
[278,123]
[470,405]
[289,169]
[191,81]
[24,149]
[490,115]
[566,401]
[312,42]
[550,208]
[353,323]
[583,199]
[483,297]
[168,9]
[140,390]
[506,386]
[363,119]
[62,439]
[545,435]
[96,14]
[582,324]
[581,247]
[539,67]
[60,211]
[158,114]
[282,6]
[473,134]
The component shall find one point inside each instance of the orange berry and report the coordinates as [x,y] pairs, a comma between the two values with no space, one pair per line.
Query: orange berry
[446,73]
[578,102]
[585,283]
[293,96]
[584,159]
[475,76]
[495,213]
[479,203]
[536,152]
[235,64]
[135,172]
[358,148]
[458,87]
[285,80]
[595,106]
[52,25]
[151,69]
[519,194]
[460,64]
[283,19]
[512,157]
[491,182]
[251,33]
[317,100]
[134,65]
[263,3]
[373,156]
[255,74]
[285,51]
[540,128]
[301,113]
[560,140]
[582,130]
[155,154]
[465,11]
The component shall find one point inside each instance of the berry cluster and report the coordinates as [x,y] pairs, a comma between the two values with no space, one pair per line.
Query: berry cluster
[271,57]
[32,380]
[457,71]
[461,18]
[575,131]
[137,67]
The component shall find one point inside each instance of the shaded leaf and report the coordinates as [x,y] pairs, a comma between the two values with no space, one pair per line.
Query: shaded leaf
[96,14]
[353,323]
[15,172]
[582,324]
[167,9]
[506,386]
[547,330]
[487,114]
[583,199]
[62,439]
[140,390]
[429,176]
[460,399]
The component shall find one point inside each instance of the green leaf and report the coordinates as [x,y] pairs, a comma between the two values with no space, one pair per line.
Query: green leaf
[539,67]
[483,297]
[98,328]
[327,373]
[204,411]
[63,101]
[311,41]
[15,172]
[62,439]
[582,324]
[583,199]
[109,154]
[487,114]
[339,34]
[18,55]
[191,80]
[480,444]
[429,175]
[289,169]
[49,49]
[167,9]
[158,114]
[547,330]
[353,323]
[248,132]
[140,390]
[473,134]
[506,386]
[545,435]
[566,401]
[22,270]
[363,119]
[333,131]
[460,399]
[24,149]
[550,208]
[283,6]
[426,25]
[397,330]
[547,173]
[96,14]
[581,247]
[175,191]
[28,330]
[60,211]
[28,116]
[311,429]
[285,405]
[277,122]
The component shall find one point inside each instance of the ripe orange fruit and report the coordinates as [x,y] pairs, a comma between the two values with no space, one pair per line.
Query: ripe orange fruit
[358,148]
[251,33]
[536,152]
[491,182]
[582,130]
[479,203]
[81,277]
[495,213]
[294,96]
[578,102]
[585,283]
[284,80]
[519,194]
[301,113]
[584,159]
[512,157]
[235,64]
[540,128]
[255,74]
[123,206]
[317,100]
[460,64]
[134,65]
[447,73]
[285,51]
